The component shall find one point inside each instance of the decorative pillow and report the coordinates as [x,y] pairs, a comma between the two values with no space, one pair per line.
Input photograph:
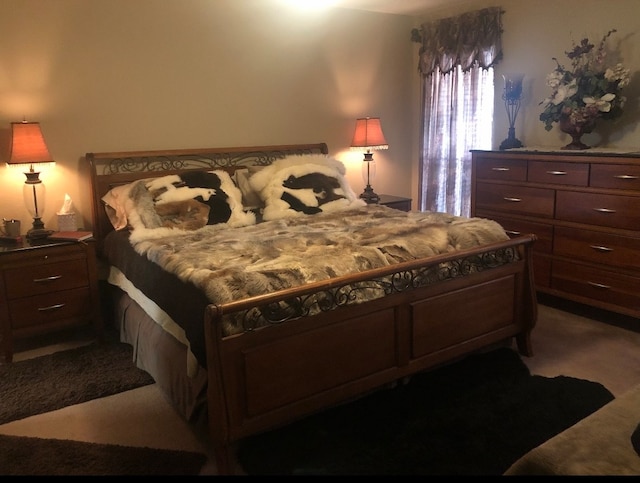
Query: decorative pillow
[250,198]
[114,205]
[301,185]
[187,201]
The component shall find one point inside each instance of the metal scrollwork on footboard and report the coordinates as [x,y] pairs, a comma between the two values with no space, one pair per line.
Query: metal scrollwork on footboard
[351,293]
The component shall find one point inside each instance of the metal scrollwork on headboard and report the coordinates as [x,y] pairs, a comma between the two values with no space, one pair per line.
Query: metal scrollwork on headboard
[211,160]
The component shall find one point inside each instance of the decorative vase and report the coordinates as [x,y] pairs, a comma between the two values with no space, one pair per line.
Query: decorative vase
[576,130]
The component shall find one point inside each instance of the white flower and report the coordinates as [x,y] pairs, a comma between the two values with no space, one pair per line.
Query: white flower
[564,92]
[618,73]
[603,104]
[554,79]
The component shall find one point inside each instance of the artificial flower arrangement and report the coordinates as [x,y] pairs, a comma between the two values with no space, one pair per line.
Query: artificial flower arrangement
[589,90]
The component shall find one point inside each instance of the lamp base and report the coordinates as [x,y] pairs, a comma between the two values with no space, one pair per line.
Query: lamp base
[369,196]
[38,233]
[511,142]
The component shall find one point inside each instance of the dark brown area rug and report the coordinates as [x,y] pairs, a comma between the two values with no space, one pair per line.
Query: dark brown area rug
[74,376]
[474,417]
[21,455]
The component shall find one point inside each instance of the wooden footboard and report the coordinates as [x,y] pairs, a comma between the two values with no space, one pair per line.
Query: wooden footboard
[433,312]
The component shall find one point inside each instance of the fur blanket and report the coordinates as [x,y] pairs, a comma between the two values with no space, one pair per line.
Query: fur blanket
[232,263]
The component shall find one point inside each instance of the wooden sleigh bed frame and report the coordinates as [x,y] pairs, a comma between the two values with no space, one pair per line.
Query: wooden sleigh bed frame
[261,379]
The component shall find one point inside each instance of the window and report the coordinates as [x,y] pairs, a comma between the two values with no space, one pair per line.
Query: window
[457,117]
[456,61]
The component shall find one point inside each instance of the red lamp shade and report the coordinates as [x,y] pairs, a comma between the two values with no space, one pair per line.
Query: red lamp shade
[27,144]
[28,148]
[368,134]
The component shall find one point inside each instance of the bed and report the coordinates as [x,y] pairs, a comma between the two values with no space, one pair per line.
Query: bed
[286,294]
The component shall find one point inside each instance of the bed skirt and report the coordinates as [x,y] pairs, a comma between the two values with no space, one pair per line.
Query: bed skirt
[186,394]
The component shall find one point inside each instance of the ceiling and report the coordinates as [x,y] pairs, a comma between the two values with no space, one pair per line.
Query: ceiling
[400,7]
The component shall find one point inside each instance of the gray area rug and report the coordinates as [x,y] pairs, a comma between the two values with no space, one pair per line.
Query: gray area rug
[34,456]
[74,376]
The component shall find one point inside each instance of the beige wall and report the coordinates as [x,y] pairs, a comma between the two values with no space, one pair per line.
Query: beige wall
[113,75]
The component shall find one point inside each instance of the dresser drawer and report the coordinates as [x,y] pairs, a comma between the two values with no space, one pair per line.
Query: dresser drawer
[41,310]
[576,174]
[603,285]
[48,277]
[515,199]
[597,209]
[615,176]
[597,247]
[541,270]
[516,227]
[505,170]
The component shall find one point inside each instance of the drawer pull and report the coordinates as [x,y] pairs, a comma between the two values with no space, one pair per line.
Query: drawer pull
[512,233]
[599,285]
[626,176]
[515,200]
[51,307]
[500,168]
[557,173]
[604,210]
[47,279]
[600,248]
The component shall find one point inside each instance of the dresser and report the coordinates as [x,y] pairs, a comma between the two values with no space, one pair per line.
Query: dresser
[46,286]
[584,207]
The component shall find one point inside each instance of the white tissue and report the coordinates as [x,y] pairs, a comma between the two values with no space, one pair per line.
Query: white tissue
[67,206]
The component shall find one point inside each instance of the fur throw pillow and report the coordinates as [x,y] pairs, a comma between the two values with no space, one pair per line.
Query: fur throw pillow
[301,185]
[189,201]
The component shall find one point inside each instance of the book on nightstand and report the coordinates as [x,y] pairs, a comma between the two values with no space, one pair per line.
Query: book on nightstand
[71,235]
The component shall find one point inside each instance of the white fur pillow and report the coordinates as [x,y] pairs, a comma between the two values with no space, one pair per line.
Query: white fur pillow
[189,201]
[301,185]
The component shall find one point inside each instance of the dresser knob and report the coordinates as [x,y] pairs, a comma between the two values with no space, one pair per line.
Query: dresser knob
[600,248]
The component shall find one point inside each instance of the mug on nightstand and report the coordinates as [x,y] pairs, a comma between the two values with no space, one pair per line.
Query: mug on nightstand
[11,227]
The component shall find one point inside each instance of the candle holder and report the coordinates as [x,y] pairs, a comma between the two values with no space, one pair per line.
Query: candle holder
[512,95]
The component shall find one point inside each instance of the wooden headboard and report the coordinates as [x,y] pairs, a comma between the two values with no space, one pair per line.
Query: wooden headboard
[117,168]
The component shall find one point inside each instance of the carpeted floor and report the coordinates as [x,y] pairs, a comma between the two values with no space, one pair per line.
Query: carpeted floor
[53,457]
[475,417]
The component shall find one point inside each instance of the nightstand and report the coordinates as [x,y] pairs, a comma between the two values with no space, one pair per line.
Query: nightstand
[397,202]
[46,286]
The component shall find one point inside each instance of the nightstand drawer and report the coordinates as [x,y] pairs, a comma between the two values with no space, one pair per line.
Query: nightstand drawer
[41,310]
[38,279]
[45,286]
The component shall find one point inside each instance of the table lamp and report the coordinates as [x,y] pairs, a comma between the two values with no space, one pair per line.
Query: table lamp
[29,149]
[368,136]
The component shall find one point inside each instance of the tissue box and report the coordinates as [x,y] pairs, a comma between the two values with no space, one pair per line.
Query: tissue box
[67,222]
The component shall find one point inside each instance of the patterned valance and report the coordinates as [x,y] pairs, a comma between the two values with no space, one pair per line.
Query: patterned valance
[463,40]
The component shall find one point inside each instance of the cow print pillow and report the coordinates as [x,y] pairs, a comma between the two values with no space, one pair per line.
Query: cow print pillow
[302,185]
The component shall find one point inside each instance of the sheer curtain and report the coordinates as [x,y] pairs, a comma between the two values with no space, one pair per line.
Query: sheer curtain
[456,62]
